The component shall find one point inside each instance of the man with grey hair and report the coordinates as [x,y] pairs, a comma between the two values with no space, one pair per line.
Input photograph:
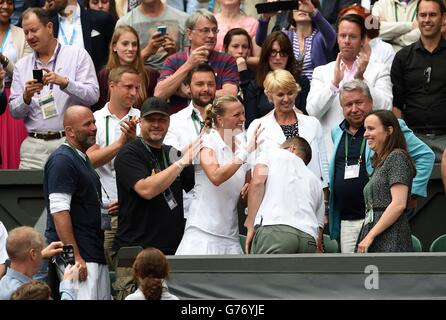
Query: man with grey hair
[25,249]
[156,45]
[201,29]
[351,164]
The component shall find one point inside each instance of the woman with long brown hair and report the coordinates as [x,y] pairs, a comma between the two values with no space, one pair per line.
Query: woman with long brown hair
[386,227]
[125,49]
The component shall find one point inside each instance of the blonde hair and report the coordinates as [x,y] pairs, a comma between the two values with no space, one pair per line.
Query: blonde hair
[137,64]
[22,239]
[280,80]
[217,108]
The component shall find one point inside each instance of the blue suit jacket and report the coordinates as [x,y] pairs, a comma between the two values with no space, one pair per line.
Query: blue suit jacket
[422,155]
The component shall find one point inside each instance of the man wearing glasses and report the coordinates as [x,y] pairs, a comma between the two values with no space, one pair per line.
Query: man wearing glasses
[419,79]
[201,29]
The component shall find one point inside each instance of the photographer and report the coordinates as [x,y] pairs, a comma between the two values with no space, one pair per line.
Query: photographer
[25,250]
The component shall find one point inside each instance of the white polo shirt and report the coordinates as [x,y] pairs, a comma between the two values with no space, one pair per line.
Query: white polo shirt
[183,130]
[107,172]
[214,209]
[293,195]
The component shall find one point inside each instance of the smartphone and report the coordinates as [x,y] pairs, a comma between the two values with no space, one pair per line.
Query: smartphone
[268,7]
[67,254]
[38,75]
[162,30]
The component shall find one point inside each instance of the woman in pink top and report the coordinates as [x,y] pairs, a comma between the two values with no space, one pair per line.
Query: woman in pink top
[231,17]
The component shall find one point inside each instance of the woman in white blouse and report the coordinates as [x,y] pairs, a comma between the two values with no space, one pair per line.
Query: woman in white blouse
[285,121]
[220,179]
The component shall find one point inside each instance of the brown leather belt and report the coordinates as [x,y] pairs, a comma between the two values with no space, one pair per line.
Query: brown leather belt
[48,135]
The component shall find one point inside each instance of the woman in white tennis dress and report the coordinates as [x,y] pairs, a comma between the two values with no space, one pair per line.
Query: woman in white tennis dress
[212,225]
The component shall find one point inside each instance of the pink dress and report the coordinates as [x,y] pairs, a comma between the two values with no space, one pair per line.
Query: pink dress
[245,22]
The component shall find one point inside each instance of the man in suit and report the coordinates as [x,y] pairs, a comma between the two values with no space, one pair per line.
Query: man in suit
[90,29]
[352,63]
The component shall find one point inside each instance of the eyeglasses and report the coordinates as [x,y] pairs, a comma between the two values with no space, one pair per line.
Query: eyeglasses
[206,31]
[274,53]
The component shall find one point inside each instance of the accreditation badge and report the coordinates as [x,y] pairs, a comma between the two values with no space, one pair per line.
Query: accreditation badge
[170,199]
[48,106]
[351,172]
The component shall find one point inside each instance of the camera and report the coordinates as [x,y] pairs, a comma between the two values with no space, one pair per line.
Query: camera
[67,254]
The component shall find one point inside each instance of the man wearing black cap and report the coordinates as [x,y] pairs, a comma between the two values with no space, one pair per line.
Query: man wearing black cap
[150,179]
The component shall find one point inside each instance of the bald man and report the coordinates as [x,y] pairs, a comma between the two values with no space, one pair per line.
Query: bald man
[73,199]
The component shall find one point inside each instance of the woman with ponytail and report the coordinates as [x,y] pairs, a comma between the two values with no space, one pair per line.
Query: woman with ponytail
[150,270]
[220,178]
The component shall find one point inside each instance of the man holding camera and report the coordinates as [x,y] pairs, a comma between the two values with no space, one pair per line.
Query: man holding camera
[25,249]
[68,78]
[73,199]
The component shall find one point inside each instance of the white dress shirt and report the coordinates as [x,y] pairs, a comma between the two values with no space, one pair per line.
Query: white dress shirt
[309,128]
[293,195]
[324,104]
[107,172]
[70,28]
[183,130]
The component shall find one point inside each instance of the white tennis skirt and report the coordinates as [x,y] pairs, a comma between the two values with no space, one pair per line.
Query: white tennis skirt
[198,242]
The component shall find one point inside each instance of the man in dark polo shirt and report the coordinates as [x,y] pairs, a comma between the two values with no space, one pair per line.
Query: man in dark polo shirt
[150,179]
[351,165]
[419,79]
[73,199]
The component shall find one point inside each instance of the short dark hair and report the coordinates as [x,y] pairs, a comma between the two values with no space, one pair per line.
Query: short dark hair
[41,14]
[354,18]
[202,67]
[440,3]
[301,145]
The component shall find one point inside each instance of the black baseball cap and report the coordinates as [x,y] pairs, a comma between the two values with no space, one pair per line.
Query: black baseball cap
[154,105]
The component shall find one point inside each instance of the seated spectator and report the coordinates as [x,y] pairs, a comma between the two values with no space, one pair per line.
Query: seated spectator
[238,44]
[150,271]
[25,249]
[398,24]
[231,16]
[103,5]
[288,214]
[125,50]
[145,19]
[202,30]
[32,290]
[380,51]
[312,36]
[277,54]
